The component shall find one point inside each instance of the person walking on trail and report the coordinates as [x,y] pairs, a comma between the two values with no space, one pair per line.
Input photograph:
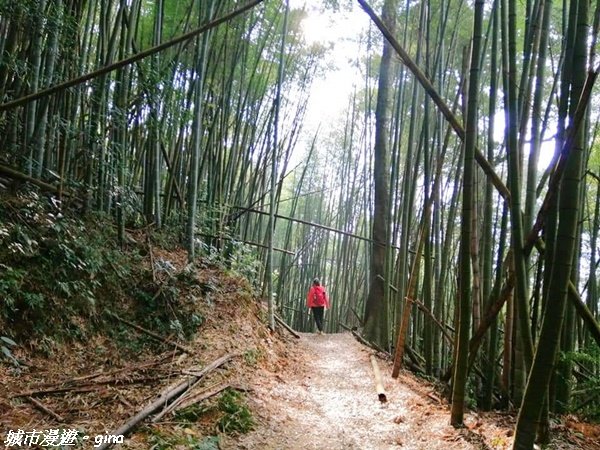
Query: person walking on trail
[318,301]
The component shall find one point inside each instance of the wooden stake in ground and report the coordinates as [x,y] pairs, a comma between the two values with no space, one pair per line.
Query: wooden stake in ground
[378,381]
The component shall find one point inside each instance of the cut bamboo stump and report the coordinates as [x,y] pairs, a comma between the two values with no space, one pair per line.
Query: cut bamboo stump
[378,381]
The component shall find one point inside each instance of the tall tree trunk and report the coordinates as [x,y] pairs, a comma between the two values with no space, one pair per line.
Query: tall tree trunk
[376,308]
[272,190]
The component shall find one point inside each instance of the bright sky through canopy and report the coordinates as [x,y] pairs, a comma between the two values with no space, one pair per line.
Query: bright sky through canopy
[330,94]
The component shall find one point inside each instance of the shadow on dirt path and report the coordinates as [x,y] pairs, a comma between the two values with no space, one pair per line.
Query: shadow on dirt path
[327,400]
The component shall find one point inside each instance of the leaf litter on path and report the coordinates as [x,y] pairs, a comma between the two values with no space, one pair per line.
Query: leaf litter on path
[325,399]
[329,401]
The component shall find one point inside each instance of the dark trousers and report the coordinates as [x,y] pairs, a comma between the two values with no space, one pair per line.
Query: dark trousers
[318,312]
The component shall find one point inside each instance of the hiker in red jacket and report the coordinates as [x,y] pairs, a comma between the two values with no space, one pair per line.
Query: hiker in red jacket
[318,301]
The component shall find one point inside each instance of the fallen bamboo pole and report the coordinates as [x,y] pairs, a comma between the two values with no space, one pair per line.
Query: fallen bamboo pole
[378,381]
[280,321]
[88,386]
[198,375]
[165,397]
[193,399]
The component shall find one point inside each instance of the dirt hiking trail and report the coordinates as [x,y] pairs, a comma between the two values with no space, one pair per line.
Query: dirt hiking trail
[326,399]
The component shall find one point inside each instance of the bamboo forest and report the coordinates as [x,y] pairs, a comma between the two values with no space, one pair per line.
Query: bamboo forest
[176,174]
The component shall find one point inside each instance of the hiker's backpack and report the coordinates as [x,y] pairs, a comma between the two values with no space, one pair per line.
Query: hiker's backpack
[319,296]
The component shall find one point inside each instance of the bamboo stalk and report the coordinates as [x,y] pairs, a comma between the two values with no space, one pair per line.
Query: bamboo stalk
[313,224]
[183,39]
[437,99]
[188,400]
[16,175]
[89,386]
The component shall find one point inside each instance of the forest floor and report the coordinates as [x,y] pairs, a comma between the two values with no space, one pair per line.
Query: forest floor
[276,391]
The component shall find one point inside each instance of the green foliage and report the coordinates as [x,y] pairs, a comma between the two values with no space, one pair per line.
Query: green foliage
[208,443]
[192,413]
[244,261]
[54,268]
[237,417]
[160,441]
[10,285]
[170,308]
[251,357]
[586,394]
[238,258]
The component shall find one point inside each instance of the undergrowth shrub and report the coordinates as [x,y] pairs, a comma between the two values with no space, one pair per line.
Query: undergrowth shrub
[55,267]
[162,441]
[586,393]
[60,272]
[237,417]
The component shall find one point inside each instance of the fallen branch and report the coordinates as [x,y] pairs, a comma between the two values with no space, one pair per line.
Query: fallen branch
[280,321]
[201,396]
[76,389]
[165,397]
[187,400]
[116,371]
[39,405]
[90,386]
[363,341]
[435,398]
[415,360]
[213,365]
[378,381]
[346,327]
[16,175]
[152,334]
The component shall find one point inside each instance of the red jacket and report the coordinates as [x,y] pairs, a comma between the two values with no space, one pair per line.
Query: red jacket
[317,296]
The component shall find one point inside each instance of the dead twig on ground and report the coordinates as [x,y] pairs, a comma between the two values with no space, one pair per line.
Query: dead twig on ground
[39,405]
[74,389]
[166,397]
[100,373]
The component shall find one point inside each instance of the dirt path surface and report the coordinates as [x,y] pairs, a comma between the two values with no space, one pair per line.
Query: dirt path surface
[326,399]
